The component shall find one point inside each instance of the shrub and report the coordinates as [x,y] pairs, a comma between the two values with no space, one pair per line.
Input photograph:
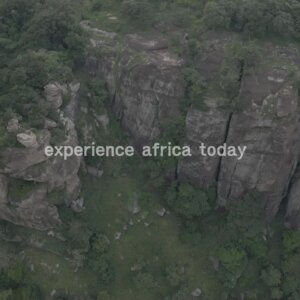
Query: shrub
[188,201]
[137,10]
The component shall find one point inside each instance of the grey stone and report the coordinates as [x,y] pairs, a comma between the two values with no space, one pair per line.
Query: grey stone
[27,139]
[54,94]
[3,189]
[197,293]
[13,125]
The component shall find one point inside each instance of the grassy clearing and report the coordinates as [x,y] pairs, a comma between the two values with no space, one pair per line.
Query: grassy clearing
[52,272]
[157,245]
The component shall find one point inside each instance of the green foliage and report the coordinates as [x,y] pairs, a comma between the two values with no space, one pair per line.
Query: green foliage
[99,244]
[40,41]
[196,89]
[20,190]
[291,241]
[271,276]
[254,18]
[188,201]
[54,26]
[138,11]
[234,260]
[78,235]
[144,280]
[103,267]
[56,198]
[99,259]
[240,57]
[175,274]
[15,14]
[215,16]
[94,92]
[182,293]
[103,296]
[4,295]
[246,216]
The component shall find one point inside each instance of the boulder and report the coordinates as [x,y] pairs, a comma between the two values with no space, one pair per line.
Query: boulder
[50,124]
[33,212]
[54,95]
[27,139]
[50,174]
[13,126]
[144,82]
[197,293]
[94,171]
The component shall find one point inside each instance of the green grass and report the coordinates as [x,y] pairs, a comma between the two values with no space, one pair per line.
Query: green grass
[158,245]
[54,272]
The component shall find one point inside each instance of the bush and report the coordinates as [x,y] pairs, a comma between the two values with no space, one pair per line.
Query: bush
[175,274]
[137,10]
[196,89]
[144,280]
[188,201]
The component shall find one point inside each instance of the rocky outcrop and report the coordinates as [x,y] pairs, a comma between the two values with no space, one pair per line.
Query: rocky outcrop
[268,124]
[54,94]
[207,126]
[145,84]
[27,139]
[32,212]
[203,127]
[13,125]
[29,163]
[144,81]
[3,189]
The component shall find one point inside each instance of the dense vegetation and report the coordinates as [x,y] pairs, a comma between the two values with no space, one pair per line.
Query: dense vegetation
[226,254]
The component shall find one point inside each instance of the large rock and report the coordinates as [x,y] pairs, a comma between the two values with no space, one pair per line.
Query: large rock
[268,124]
[49,174]
[27,139]
[210,125]
[144,82]
[33,212]
[208,128]
[54,94]
[3,189]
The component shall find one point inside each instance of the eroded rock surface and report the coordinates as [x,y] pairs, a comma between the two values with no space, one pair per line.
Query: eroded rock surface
[32,212]
[28,163]
[145,84]
[268,124]
[144,80]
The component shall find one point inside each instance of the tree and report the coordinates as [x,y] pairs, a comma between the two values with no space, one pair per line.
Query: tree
[188,201]
[15,14]
[137,10]
[291,241]
[215,16]
[271,276]
[144,280]
[55,27]
[175,274]
[4,295]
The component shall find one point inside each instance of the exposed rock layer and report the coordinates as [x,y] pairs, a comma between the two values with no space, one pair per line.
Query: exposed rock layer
[29,164]
[145,85]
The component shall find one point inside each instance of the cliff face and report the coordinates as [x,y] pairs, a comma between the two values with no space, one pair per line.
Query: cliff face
[144,80]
